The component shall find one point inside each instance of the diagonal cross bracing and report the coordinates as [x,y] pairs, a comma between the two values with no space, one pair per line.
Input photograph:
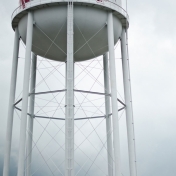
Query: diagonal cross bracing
[50,39]
[90,39]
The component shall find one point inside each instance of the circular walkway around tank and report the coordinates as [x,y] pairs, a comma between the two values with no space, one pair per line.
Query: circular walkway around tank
[20,11]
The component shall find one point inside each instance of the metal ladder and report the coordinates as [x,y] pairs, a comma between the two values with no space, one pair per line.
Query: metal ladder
[69,119]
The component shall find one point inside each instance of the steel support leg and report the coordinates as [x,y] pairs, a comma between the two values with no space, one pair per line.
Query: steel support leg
[31,111]
[116,140]
[108,118]
[69,119]
[21,158]
[11,105]
[128,102]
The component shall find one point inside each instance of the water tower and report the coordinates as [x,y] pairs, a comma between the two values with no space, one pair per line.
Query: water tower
[70,32]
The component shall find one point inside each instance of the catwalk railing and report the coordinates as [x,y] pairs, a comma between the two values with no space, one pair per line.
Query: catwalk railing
[105,3]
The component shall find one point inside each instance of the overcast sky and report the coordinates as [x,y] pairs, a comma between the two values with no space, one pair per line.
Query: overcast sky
[152,38]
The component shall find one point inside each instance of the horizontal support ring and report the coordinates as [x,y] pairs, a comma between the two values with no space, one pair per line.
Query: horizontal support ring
[83,118]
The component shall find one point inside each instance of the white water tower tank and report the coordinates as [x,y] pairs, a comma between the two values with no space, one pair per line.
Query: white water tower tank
[70,31]
[89,17]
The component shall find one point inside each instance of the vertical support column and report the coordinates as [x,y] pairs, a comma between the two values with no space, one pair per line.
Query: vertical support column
[11,105]
[31,117]
[116,139]
[128,102]
[69,119]
[108,118]
[21,157]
